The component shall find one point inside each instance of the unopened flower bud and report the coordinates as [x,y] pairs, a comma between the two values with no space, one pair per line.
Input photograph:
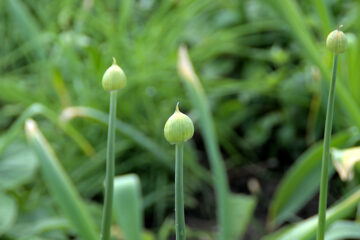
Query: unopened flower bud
[114,78]
[336,41]
[178,128]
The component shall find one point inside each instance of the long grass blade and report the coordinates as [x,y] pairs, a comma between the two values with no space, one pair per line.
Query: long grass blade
[198,98]
[60,186]
[325,17]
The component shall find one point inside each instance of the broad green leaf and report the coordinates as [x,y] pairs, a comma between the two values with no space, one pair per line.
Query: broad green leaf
[60,185]
[305,175]
[306,230]
[8,211]
[343,230]
[128,206]
[241,211]
[17,166]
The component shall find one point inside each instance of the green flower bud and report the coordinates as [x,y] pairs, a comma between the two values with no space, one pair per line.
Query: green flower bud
[336,41]
[178,128]
[114,78]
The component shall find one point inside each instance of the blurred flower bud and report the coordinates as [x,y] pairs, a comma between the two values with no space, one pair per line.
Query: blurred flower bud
[254,186]
[178,128]
[114,78]
[336,41]
[344,162]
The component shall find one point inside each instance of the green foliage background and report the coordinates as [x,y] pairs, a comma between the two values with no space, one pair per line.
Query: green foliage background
[263,65]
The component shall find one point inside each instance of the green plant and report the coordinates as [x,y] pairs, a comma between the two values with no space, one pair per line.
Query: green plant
[336,43]
[258,64]
[113,80]
[178,129]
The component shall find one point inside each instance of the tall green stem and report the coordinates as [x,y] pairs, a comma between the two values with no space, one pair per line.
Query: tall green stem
[179,193]
[326,154]
[110,171]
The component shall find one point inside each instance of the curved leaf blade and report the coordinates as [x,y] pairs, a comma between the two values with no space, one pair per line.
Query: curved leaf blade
[59,184]
[305,175]
[306,230]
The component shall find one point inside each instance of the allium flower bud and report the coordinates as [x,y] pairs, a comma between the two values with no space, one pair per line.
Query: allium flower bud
[114,78]
[336,41]
[179,128]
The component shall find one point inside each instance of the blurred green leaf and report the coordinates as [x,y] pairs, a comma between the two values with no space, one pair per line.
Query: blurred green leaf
[322,8]
[305,175]
[8,211]
[352,58]
[343,230]
[128,206]
[59,184]
[241,211]
[306,229]
[23,20]
[17,166]
[200,103]
[36,227]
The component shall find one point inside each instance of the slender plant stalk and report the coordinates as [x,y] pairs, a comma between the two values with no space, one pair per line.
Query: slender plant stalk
[179,193]
[326,154]
[110,170]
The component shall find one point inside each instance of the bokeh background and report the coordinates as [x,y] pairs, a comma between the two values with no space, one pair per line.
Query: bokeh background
[263,66]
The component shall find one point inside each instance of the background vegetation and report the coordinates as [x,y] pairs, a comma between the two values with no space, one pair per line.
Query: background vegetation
[264,69]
